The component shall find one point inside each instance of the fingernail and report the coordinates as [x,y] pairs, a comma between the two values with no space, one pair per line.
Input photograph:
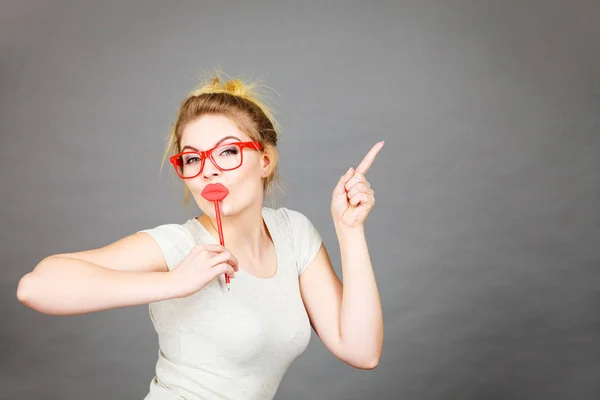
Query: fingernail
[347,172]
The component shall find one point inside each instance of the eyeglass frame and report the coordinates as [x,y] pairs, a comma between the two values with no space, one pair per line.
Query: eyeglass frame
[208,154]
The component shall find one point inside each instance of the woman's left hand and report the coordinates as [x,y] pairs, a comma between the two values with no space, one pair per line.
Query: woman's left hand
[353,197]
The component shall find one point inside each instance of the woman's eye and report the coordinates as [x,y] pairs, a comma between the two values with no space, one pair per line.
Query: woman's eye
[191,160]
[229,152]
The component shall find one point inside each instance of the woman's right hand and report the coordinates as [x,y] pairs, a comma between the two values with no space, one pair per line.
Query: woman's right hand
[202,265]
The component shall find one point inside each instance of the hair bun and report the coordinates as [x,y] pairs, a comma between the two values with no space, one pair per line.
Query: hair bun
[233,86]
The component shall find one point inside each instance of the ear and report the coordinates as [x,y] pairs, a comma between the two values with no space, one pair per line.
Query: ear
[267,163]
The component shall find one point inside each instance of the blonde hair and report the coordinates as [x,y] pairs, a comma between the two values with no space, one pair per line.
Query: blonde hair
[241,103]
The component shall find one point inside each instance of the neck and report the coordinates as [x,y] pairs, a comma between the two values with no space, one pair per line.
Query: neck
[243,232]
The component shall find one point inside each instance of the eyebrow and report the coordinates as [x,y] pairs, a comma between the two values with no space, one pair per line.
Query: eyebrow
[218,143]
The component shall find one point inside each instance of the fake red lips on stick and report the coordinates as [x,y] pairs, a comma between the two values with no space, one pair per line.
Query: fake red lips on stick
[216,192]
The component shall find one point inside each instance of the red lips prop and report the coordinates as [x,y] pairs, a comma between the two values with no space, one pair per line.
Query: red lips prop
[216,192]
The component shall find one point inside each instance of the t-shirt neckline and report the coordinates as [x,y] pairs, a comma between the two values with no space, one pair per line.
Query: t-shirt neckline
[200,229]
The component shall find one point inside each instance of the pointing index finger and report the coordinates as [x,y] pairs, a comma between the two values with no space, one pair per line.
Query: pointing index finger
[365,164]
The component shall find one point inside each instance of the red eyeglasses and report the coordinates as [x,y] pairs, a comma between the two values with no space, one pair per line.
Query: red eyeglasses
[226,157]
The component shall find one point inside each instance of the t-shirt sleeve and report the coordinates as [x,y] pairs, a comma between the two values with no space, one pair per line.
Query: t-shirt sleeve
[306,240]
[174,240]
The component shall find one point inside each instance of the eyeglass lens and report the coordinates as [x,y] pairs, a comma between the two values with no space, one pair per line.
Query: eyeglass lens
[228,156]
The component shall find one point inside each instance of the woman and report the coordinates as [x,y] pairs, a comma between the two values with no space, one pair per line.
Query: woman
[215,343]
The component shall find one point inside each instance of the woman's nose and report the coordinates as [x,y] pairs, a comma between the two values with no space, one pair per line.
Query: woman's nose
[210,168]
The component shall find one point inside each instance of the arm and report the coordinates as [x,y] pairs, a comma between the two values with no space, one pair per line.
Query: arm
[347,318]
[131,271]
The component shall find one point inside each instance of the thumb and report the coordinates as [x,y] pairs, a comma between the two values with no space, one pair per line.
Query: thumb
[340,187]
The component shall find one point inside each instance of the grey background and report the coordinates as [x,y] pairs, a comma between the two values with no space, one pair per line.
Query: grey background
[485,234]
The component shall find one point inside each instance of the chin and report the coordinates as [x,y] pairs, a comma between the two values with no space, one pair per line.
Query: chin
[229,206]
[209,207]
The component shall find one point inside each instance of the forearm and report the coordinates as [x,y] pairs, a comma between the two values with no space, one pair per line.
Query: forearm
[361,317]
[67,286]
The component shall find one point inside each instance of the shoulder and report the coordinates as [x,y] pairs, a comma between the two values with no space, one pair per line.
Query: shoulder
[290,221]
[302,236]
[175,240]
[171,231]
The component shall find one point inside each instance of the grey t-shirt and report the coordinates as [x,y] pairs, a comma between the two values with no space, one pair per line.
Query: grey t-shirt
[235,345]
